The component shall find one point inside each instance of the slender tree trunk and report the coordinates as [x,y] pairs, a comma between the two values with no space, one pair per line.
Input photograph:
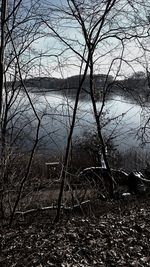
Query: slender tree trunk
[67,154]
[2,44]
[26,174]
[99,132]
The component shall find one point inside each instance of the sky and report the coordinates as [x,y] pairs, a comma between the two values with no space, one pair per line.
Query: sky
[57,59]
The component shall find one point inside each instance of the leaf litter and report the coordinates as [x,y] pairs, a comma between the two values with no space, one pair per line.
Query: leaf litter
[119,237]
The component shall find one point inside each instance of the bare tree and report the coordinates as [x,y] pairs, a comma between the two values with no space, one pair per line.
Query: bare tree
[87,51]
[94,33]
[19,31]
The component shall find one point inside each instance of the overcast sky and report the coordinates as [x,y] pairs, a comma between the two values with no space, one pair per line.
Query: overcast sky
[107,53]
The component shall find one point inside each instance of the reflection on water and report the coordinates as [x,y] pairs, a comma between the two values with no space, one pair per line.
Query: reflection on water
[121,119]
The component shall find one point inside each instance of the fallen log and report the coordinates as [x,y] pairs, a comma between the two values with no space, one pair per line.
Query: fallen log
[53,207]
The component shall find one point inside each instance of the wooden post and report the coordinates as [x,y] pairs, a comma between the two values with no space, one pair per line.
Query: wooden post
[53,169]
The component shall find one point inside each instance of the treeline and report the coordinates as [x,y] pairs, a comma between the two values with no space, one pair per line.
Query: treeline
[72,83]
[137,85]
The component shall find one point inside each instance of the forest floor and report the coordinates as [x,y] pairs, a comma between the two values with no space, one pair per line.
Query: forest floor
[115,234]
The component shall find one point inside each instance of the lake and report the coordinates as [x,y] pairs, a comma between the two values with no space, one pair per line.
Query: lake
[121,120]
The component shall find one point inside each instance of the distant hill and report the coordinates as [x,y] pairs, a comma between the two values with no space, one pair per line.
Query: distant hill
[42,83]
[137,85]
[72,83]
